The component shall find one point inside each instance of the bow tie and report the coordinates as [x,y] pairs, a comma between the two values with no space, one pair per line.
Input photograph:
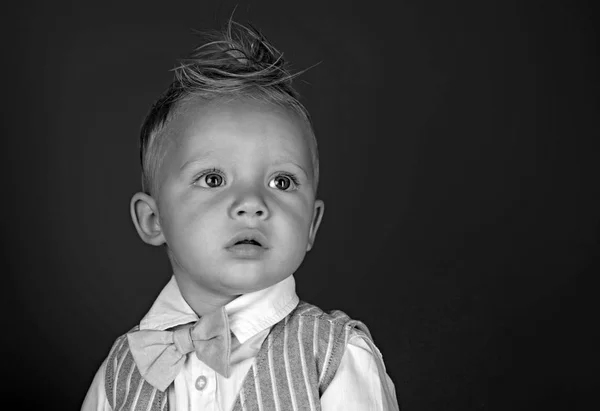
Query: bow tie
[159,355]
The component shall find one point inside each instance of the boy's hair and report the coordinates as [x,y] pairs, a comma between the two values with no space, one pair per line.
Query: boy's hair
[236,63]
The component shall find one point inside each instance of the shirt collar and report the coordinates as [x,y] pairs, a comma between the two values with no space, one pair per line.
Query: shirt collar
[248,314]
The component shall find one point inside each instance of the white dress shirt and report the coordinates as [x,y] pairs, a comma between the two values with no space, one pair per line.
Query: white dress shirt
[357,384]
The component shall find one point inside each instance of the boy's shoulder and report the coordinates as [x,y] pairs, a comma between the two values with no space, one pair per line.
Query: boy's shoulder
[336,318]
[306,309]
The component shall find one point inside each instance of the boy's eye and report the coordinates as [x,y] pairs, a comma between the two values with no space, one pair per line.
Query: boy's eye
[283,182]
[210,180]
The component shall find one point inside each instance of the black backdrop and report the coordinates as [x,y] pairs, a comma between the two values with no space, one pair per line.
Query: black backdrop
[459,173]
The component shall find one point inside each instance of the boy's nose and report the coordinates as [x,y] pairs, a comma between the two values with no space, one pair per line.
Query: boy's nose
[250,207]
[250,213]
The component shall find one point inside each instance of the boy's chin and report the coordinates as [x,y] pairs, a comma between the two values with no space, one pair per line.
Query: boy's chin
[238,283]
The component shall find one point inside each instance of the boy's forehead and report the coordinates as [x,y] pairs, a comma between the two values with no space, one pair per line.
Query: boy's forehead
[201,128]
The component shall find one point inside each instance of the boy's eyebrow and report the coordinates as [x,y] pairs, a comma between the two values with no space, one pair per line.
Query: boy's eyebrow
[277,162]
[290,161]
[196,159]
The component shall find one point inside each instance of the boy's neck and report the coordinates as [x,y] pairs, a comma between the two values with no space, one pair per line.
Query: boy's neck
[200,300]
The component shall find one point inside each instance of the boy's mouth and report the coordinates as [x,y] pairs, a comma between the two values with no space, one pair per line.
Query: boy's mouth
[252,242]
[251,237]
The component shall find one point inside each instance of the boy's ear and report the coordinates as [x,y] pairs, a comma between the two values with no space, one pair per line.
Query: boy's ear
[318,212]
[144,214]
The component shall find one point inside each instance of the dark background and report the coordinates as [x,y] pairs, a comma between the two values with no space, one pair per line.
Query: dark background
[459,171]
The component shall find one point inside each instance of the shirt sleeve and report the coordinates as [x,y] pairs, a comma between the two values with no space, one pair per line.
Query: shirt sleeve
[96,400]
[360,382]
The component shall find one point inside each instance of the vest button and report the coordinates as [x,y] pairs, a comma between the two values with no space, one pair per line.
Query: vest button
[201,383]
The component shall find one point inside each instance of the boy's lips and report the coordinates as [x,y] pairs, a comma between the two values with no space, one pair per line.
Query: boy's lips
[250,237]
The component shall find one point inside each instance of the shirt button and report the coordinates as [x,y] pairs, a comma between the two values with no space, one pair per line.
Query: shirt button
[201,383]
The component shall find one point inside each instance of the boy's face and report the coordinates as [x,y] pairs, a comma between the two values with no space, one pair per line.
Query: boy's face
[234,170]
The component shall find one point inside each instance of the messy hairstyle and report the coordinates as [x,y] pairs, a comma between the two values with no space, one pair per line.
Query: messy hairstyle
[235,63]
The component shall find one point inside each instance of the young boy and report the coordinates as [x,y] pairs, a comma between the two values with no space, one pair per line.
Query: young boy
[230,173]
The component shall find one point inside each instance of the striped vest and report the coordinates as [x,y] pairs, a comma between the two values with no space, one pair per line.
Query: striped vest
[291,371]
